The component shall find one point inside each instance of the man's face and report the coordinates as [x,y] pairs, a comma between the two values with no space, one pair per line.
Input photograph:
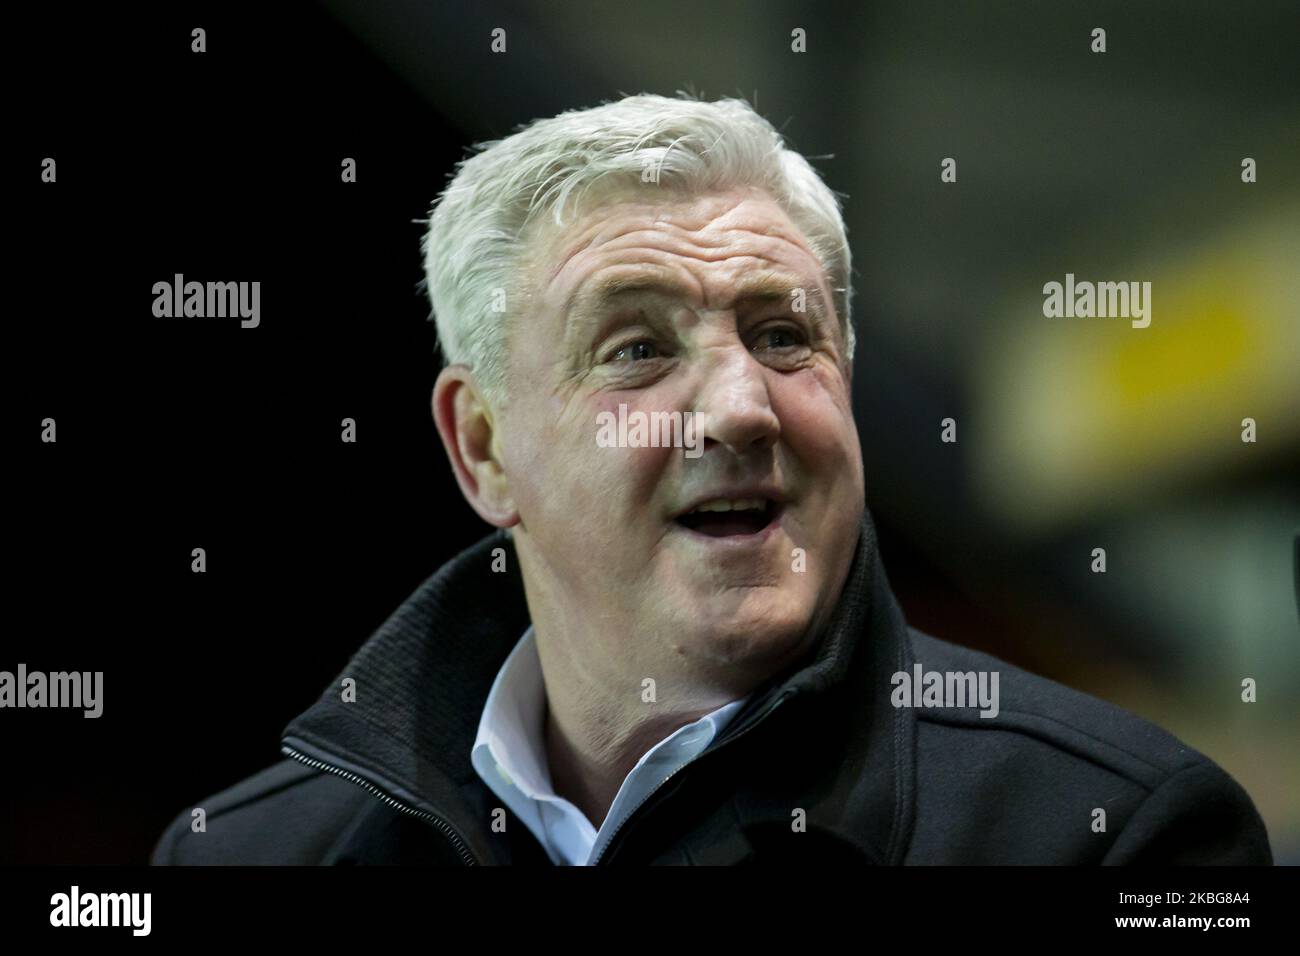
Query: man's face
[605,532]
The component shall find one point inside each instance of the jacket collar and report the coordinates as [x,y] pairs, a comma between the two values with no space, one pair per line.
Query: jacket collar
[422,678]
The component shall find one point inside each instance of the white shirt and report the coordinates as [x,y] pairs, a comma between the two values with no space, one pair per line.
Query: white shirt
[510,755]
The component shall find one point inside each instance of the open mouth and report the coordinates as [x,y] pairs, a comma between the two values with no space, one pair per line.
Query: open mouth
[722,518]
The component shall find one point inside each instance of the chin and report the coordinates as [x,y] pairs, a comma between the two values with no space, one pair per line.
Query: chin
[759,633]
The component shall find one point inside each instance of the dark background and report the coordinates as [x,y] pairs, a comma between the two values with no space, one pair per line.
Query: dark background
[224,166]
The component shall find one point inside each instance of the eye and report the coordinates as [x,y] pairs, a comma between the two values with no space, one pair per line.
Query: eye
[635,351]
[781,337]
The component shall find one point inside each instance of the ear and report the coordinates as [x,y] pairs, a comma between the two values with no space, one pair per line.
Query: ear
[469,433]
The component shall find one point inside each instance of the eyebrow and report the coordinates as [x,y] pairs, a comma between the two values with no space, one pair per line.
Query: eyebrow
[766,285]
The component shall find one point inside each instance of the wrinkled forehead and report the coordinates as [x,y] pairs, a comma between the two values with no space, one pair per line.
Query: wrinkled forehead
[631,238]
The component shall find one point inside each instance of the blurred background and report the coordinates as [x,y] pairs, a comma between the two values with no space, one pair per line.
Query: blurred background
[1072,434]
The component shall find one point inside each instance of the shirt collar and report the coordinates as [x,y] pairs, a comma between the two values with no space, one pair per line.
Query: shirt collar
[510,740]
[511,726]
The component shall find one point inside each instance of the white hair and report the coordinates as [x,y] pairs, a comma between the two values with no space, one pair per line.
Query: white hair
[474,248]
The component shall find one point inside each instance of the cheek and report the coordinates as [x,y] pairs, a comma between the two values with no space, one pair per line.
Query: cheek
[817,422]
[561,473]
[630,475]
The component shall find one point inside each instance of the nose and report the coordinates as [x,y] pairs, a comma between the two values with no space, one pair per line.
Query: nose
[733,398]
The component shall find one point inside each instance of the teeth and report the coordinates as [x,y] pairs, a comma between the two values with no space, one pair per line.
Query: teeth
[733,504]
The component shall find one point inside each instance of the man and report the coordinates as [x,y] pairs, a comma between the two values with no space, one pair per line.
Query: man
[681,651]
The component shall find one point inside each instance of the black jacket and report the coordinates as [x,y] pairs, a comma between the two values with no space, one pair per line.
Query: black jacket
[387,779]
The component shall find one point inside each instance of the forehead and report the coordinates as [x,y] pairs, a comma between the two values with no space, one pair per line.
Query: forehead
[736,244]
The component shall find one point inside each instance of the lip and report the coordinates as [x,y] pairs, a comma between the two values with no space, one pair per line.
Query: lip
[773,495]
[735,542]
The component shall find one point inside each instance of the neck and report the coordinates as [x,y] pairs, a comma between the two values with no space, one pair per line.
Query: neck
[594,737]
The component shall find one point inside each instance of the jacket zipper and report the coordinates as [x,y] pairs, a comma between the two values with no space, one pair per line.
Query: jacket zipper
[604,850]
[466,856]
